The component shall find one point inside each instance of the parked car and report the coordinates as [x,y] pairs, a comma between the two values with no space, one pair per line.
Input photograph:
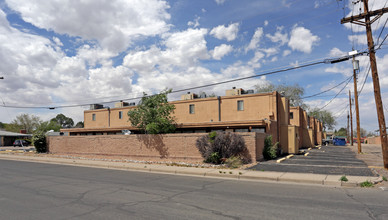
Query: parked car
[21,143]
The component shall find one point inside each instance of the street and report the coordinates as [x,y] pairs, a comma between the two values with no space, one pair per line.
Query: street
[46,191]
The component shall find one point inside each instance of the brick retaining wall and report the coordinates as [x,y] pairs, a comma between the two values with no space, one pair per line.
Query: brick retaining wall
[167,147]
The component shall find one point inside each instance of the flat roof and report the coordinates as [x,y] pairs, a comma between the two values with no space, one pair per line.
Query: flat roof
[13,134]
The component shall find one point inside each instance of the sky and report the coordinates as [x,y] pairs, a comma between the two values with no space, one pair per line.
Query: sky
[69,54]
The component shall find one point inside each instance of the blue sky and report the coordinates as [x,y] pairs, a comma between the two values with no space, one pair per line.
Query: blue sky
[59,53]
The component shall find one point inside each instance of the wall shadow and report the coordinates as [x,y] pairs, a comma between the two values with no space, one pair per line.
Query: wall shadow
[154,141]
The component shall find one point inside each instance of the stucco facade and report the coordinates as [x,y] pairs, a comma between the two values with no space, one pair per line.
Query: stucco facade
[267,113]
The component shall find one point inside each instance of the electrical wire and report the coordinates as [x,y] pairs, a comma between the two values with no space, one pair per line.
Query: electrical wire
[176,91]
[310,96]
[336,94]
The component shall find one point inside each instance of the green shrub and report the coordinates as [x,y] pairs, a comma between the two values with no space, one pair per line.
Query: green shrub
[39,141]
[384,178]
[366,184]
[344,179]
[217,147]
[270,150]
[213,158]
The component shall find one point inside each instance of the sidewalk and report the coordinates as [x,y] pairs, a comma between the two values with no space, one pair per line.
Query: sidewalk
[238,174]
[372,155]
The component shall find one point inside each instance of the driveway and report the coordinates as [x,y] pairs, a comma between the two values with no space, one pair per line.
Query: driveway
[330,160]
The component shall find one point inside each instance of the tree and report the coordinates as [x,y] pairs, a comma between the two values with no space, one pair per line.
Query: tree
[63,121]
[341,132]
[26,122]
[48,126]
[153,114]
[326,117]
[79,124]
[363,133]
[293,93]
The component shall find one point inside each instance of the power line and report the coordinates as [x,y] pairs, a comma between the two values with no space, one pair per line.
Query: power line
[181,90]
[336,94]
[327,89]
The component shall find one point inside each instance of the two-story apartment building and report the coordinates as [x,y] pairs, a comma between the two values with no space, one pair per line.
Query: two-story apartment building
[237,111]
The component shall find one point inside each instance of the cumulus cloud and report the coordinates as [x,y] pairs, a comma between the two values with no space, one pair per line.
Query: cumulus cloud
[114,23]
[302,40]
[358,39]
[254,43]
[335,52]
[286,52]
[221,51]
[228,33]
[278,37]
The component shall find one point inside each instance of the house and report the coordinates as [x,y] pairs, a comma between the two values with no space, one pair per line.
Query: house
[7,138]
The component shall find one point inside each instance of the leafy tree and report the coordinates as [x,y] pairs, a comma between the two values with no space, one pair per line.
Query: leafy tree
[326,117]
[63,121]
[24,121]
[2,125]
[47,126]
[341,132]
[363,132]
[79,124]
[293,93]
[153,114]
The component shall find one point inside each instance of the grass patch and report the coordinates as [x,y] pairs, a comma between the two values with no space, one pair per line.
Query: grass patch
[366,184]
[385,178]
[344,179]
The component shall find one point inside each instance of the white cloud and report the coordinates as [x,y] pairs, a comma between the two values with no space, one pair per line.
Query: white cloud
[278,36]
[114,24]
[228,33]
[286,52]
[270,51]
[302,39]
[265,23]
[220,2]
[254,43]
[335,52]
[221,51]
[358,39]
[194,23]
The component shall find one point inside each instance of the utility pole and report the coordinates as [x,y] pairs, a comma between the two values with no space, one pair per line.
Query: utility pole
[347,131]
[355,68]
[351,119]
[376,84]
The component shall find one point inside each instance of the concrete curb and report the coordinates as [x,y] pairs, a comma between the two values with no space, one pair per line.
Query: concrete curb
[286,177]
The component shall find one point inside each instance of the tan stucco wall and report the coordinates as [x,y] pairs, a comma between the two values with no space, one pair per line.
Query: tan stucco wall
[373,140]
[168,147]
[256,107]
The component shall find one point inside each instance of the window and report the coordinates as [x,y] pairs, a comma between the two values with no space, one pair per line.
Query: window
[240,105]
[191,109]
[120,114]
[291,115]
[94,117]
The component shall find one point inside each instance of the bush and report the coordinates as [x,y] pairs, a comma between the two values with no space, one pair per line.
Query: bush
[39,141]
[216,147]
[343,179]
[366,184]
[234,162]
[270,150]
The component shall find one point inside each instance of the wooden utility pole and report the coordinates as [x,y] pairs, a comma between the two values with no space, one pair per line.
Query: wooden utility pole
[376,84]
[351,118]
[347,131]
[355,68]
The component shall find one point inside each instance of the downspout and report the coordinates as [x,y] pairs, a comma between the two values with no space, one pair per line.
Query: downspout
[108,117]
[277,114]
[219,108]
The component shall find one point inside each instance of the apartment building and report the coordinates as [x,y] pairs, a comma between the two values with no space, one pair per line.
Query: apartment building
[237,111]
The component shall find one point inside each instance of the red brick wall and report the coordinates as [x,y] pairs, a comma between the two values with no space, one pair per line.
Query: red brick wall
[167,147]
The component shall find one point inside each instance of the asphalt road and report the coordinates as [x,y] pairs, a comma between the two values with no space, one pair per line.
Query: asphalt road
[46,191]
[331,160]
